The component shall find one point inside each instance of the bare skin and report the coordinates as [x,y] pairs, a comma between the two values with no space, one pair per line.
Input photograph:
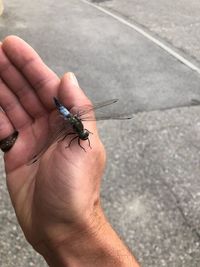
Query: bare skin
[57,199]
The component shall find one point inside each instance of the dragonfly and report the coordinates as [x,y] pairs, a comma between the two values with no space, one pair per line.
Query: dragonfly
[71,123]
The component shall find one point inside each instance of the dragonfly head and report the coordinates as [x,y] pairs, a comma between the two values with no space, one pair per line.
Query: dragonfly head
[84,134]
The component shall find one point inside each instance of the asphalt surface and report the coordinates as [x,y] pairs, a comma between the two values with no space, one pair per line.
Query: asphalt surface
[175,22]
[151,185]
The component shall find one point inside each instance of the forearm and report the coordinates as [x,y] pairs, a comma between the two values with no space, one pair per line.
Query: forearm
[97,246]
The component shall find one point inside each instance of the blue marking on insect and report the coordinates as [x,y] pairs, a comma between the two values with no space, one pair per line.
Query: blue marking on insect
[63,110]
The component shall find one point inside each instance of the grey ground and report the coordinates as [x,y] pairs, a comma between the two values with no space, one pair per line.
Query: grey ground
[151,187]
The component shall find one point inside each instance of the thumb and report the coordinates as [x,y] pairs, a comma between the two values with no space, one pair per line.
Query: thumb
[69,92]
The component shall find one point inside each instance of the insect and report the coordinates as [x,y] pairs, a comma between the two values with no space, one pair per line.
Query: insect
[76,123]
[71,123]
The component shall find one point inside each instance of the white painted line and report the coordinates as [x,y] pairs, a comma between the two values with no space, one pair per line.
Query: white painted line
[148,36]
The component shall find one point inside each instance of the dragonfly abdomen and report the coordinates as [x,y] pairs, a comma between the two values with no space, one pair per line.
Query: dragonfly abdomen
[63,110]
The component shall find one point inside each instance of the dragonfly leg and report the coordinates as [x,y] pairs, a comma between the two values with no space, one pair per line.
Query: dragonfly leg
[71,141]
[80,144]
[88,138]
[88,131]
[65,136]
[89,143]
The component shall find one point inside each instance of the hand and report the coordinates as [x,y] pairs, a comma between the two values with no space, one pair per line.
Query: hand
[57,198]
[61,189]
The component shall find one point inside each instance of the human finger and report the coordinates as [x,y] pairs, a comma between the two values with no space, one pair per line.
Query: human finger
[12,107]
[70,93]
[28,62]
[6,127]
[20,87]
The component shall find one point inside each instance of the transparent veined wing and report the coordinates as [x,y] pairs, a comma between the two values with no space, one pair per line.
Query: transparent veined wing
[107,117]
[97,112]
[62,129]
[81,110]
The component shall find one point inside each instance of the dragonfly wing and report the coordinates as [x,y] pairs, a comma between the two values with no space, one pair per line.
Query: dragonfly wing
[61,130]
[95,113]
[108,117]
[82,110]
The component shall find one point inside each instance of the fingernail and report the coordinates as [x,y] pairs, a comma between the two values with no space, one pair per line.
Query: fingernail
[73,78]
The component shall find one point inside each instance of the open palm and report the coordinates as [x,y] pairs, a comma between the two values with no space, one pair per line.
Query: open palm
[63,185]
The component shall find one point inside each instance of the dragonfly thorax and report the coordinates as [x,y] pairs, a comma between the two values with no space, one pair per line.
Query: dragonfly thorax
[78,127]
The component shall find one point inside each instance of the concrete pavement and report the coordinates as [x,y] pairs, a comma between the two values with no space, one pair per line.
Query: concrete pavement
[151,185]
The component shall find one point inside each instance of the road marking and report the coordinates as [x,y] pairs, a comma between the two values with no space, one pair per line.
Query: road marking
[147,35]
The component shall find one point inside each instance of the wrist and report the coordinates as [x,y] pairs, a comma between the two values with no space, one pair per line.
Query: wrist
[91,243]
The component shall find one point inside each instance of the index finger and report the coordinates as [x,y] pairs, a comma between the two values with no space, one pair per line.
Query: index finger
[72,96]
[43,80]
